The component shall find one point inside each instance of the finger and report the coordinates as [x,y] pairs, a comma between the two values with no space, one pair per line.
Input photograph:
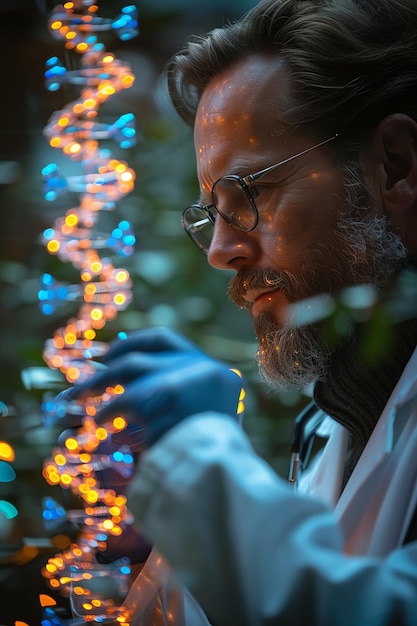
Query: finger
[159,339]
[123,370]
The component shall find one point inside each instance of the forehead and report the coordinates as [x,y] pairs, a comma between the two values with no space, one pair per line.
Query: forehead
[239,117]
[245,98]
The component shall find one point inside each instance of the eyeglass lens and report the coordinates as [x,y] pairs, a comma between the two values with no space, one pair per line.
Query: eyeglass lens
[233,203]
[198,226]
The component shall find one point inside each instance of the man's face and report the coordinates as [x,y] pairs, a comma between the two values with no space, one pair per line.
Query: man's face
[302,245]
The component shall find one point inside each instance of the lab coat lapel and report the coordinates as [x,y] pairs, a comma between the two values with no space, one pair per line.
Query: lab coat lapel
[372,496]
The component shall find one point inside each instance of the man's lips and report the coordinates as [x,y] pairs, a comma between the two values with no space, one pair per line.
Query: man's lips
[258,301]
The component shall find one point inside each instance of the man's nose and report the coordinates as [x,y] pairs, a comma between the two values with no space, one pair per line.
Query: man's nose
[230,248]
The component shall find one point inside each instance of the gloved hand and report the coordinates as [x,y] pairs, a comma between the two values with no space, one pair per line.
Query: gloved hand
[165,378]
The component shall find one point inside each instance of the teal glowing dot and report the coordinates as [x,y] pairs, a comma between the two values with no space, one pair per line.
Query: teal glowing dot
[7,509]
[7,473]
[50,196]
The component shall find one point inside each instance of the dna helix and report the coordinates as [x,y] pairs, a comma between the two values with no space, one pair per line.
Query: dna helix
[96,590]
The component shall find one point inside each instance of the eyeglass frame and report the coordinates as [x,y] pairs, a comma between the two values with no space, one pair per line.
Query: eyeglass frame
[245,182]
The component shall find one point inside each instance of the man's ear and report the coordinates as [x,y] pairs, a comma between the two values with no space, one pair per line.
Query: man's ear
[393,154]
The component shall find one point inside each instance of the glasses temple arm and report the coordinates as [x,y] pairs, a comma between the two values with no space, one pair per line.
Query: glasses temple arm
[252,177]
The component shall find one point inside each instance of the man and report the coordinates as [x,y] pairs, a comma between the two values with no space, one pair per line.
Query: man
[305,121]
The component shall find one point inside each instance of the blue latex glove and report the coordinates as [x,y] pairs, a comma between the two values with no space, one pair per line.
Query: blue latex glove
[166,379]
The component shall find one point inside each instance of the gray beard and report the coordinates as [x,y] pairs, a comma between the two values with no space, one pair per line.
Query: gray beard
[365,252]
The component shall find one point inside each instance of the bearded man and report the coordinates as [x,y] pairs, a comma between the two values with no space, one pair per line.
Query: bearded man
[305,127]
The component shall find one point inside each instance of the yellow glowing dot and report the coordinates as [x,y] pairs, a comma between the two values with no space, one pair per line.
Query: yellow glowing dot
[107,90]
[90,103]
[51,568]
[71,219]
[108,58]
[70,338]
[90,289]
[56,25]
[96,266]
[87,606]
[116,531]
[96,603]
[74,148]
[54,478]
[242,394]
[63,121]
[82,46]
[52,246]
[86,276]
[90,334]
[119,423]
[128,80]
[118,389]
[6,451]
[55,142]
[119,298]
[71,34]
[117,166]
[60,459]
[96,314]
[85,457]
[66,479]
[68,5]
[120,500]
[240,408]
[73,373]
[101,434]
[108,524]
[114,510]
[91,496]
[122,276]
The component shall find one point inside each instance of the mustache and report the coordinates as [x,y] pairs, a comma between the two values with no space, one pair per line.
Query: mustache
[259,278]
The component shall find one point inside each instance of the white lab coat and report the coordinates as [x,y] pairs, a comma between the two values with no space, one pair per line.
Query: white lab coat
[253,552]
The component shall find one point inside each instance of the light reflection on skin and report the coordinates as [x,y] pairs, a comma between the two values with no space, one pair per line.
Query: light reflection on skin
[298,238]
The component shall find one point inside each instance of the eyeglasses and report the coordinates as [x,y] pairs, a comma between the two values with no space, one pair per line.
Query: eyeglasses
[233,198]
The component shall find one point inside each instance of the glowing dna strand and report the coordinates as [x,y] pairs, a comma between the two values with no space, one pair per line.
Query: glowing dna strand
[96,591]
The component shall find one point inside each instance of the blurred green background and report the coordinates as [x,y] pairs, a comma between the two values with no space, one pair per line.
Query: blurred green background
[173,285]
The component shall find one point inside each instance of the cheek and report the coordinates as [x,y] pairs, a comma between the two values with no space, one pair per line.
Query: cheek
[302,229]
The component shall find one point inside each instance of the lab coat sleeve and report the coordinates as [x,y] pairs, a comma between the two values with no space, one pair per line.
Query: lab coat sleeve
[252,551]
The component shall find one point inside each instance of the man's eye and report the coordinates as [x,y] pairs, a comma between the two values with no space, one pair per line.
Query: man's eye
[254,191]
